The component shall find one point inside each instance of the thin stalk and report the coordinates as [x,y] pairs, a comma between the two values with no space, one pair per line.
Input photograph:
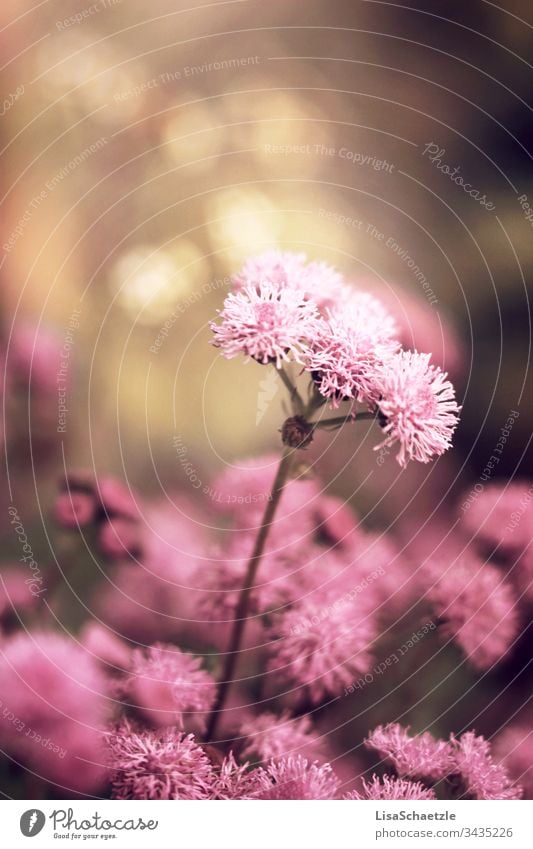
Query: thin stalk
[340,420]
[296,398]
[242,609]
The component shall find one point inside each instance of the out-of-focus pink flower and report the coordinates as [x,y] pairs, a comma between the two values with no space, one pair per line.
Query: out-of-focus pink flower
[34,359]
[421,327]
[513,748]
[138,605]
[321,646]
[522,574]
[117,500]
[482,777]
[105,646]
[478,608]
[500,515]
[243,490]
[164,764]
[421,756]
[269,324]
[348,347]
[389,787]
[336,523]
[232,781]
[271,736]
[120,538]
[297,778]
[417,407]
[75,509]
[54,709]
[15,596]
[168,685]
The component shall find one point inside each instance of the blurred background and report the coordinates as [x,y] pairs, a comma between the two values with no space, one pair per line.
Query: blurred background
[147,150]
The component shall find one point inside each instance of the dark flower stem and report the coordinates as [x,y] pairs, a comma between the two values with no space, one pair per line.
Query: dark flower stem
[340,420]
[296,399]
[241,611]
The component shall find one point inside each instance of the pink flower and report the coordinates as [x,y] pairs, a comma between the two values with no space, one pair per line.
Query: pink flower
[322,646]
[417,406]
[118,500]
[348,347]
[483,778]
[421,327]
[500,515]
[166,683]
[420,756]
[317,281]
[161,764]
[232,781]
[242,490]
[104,645]
[513,748]
[297,778]
[34,359]
[478,609]
[270,736]
[55,705]
[74,509]
[77,504]
[391,788]
[120,539]
[336,523]
[269,324]
[15,597]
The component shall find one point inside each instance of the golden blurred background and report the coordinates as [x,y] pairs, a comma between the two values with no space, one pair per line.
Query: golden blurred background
[147,150]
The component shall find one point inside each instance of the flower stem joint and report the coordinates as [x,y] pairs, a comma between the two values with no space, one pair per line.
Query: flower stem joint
[296,432]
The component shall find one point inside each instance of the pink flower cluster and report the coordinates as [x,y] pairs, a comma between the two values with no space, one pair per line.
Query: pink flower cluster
[108,504]
[465,761]
[284,309]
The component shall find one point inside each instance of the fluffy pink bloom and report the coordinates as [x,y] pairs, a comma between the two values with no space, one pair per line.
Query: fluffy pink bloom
[478,608]
[232,781]
[417,407]
[161,764]
[326,655]
[267,323]
[117,499]
[34,359]
[421,756]
[83,500]
[120,539]
[348,347]
[15,596]
[169,685]
[270,736]
[513,748]
[139,606]
[500,515]
[75,509]
[389,787]
[317,281]
[297,778]
[54,709]
[336,523]
[243,489]
[482,777]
